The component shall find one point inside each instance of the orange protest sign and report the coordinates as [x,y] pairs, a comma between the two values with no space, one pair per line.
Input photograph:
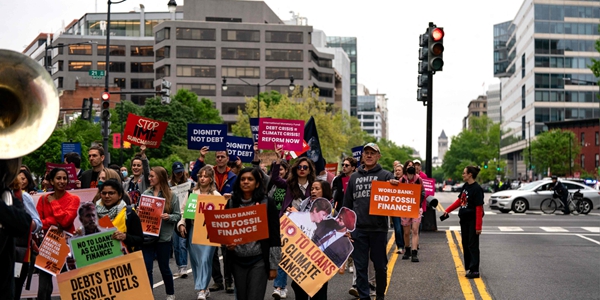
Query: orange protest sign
[53,252]
[237,225]
[332,168]
[400,200]
[306,264]
[124,277]
[149,211]
[204,203]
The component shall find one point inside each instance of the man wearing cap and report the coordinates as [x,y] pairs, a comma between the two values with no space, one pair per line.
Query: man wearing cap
[370,235]
[419,169]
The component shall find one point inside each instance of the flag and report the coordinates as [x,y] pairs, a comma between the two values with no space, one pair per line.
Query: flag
[312,139]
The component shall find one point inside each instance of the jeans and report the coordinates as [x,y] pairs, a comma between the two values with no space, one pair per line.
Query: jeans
[470,244]
[250,282]
[370,244]
[371,275]
[281,279]
[398,234]
[180,250]
[201,259]
[162,252]
[300,294]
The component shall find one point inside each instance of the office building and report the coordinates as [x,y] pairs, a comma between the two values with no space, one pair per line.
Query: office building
[349,44]
[476,108]
[341,65]
[493,102]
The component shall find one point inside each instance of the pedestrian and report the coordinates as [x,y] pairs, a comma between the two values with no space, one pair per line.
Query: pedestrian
[338,188]
[255,262]
[138,182]
[411,225]
[278,195]
[396,221]
[27,183]
[470,201]
[300,178]
[181,255]
[89,178]
[370,235]
[161,249]
[107,174]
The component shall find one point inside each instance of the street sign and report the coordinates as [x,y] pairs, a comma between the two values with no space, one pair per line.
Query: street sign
[97,74]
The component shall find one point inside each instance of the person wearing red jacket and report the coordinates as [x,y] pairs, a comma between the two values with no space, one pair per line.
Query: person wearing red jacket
[470,213]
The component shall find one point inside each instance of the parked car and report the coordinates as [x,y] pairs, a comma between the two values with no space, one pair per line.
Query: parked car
[530,196]
[456,187]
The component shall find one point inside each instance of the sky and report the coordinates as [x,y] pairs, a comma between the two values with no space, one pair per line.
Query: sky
[387,32]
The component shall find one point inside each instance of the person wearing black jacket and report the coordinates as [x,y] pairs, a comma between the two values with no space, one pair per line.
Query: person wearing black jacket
[348,167]
[561,191]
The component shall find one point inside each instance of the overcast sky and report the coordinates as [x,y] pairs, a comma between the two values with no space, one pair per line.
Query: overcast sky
[387,33]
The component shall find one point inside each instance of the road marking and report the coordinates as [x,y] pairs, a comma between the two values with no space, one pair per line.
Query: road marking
[174,278]
[440,207]
[465,285]
[391,262]
[454,228]
[554,229]
[454,213]
[592,229]
[587,238]
[478,281]
[510,228]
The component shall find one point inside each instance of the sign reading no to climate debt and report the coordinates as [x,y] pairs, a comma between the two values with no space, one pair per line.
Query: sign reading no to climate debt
[53,252]
[240,147]
[306,264]
[124,277]
[195,208]
[149,210]
[209,135]
[288,134]
[400,200]
[237,225]
[144,131]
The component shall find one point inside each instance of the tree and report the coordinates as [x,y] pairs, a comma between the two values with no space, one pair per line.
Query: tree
[50,151]
[391,152]
[551,149]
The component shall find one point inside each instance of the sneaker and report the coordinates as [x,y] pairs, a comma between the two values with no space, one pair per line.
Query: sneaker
[400,250]
[406,253]
[202,295]
[472,275]
[170,297]
[229,288]
[276,294]
[183,272]
[216,287]
[372,290]
[351,269]
[283,293]
[353,291]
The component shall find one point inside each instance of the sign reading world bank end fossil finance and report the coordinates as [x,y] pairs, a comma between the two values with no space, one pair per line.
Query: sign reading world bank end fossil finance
[400,200]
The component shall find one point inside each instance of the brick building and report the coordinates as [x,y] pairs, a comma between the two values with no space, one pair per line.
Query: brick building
[587,135]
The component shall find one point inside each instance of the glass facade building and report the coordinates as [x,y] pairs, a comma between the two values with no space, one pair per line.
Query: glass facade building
[349,44]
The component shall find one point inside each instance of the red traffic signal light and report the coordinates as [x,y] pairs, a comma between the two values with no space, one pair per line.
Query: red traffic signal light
[105,96]
[437,34]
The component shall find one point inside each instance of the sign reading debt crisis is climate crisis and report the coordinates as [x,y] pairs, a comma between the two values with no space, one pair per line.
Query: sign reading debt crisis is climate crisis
[209,135]
[288,134]
[400,200]
[144,131]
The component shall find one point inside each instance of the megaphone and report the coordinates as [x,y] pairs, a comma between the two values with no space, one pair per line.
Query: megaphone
[432,202]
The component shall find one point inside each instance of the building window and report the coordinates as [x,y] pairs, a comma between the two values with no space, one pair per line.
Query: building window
[199,89]
[239,91]
[59,82]
[115,50]
[196,71]
[597,143]
[283,37]
[80,65]
[142,83]
[523,97]
[115,66]
[582,139]
[139,99]
[164,52]
[272,73]
[163,34]
[245,72]
[163,71]
[240,35]
[240,53]
[120,82]
[80,50]
[196,52]
[597,162]
[231,108]
[523,66]
[142,67]
[195,34]
[283,55]
[582,162]
[142,51]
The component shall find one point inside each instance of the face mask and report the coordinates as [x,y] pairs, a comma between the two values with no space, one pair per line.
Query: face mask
[100,183]
[124,173]
[410,170]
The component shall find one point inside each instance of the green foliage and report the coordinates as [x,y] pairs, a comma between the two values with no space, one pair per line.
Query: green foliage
[550,149]
[595,66]
[391,152]
[48,152]
[438,174]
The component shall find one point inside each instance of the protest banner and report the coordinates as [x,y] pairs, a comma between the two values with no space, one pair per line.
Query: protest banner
[124,277]
[332,168]
[182,190]
[203,203]
[144,131]
[189,211]
[209,135]
[71,173]
[116,139]
[240,147]
[357,154]
[302,260]
[238,225]
[400,200]
[429,185]
[94,248]
[288,134]
[53,251]
[149,211]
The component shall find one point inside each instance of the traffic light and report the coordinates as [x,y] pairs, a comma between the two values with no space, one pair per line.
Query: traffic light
[435,61]
[485,165]
[105,105]
[165,90]
[86,109]
[423,78]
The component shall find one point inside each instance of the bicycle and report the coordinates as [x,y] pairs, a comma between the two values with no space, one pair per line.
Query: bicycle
[574,200]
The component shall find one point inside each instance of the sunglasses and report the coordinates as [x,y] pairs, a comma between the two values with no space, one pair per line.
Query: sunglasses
[346,165]
[110,193]
[303,167]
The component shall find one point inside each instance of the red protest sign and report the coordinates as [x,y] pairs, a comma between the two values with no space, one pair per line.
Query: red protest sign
[53,251]
[116,141]
[237,225]
[289,134]
[332,168]
[149,211]
[71,173]
[144,131]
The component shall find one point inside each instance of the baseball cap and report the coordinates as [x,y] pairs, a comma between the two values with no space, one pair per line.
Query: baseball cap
[178,167]
[416,161]
[372,146]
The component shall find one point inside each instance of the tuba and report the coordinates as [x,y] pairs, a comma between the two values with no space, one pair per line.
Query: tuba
[29,109]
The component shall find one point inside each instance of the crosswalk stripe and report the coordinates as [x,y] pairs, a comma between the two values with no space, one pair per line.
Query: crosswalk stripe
[592,229]
[554,229]
[454,228]
[510,228]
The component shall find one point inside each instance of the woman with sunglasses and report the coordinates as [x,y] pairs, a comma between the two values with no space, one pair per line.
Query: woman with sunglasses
[298,183]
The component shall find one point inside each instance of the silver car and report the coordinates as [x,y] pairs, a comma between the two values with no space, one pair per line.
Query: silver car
[530,196]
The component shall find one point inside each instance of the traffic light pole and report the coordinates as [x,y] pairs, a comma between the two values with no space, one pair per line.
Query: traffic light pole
[428,145]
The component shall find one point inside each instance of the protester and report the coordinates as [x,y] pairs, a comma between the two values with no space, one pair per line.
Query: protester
[370,235]
[26,182]
[254,262]
[181,255]
[124,172]
[411,225]
[117,169]
[348,167]
[161,249]
[297,185]
[224,180]
[107,174]
[419,169]
[396,222]
[278,196]
[89,178]
[59,209]
[200,255]
[126,221]
[75,159]
[470,201]
[138,182]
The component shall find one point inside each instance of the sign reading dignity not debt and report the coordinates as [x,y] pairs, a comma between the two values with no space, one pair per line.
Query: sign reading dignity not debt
[149,210]
[357,154]
[144,131]
[400,200]
[240,147]
[94,248]
[238,225]
[288,134]
[209,135]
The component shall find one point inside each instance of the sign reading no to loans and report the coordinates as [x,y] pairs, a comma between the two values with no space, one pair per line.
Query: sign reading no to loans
[400,200]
